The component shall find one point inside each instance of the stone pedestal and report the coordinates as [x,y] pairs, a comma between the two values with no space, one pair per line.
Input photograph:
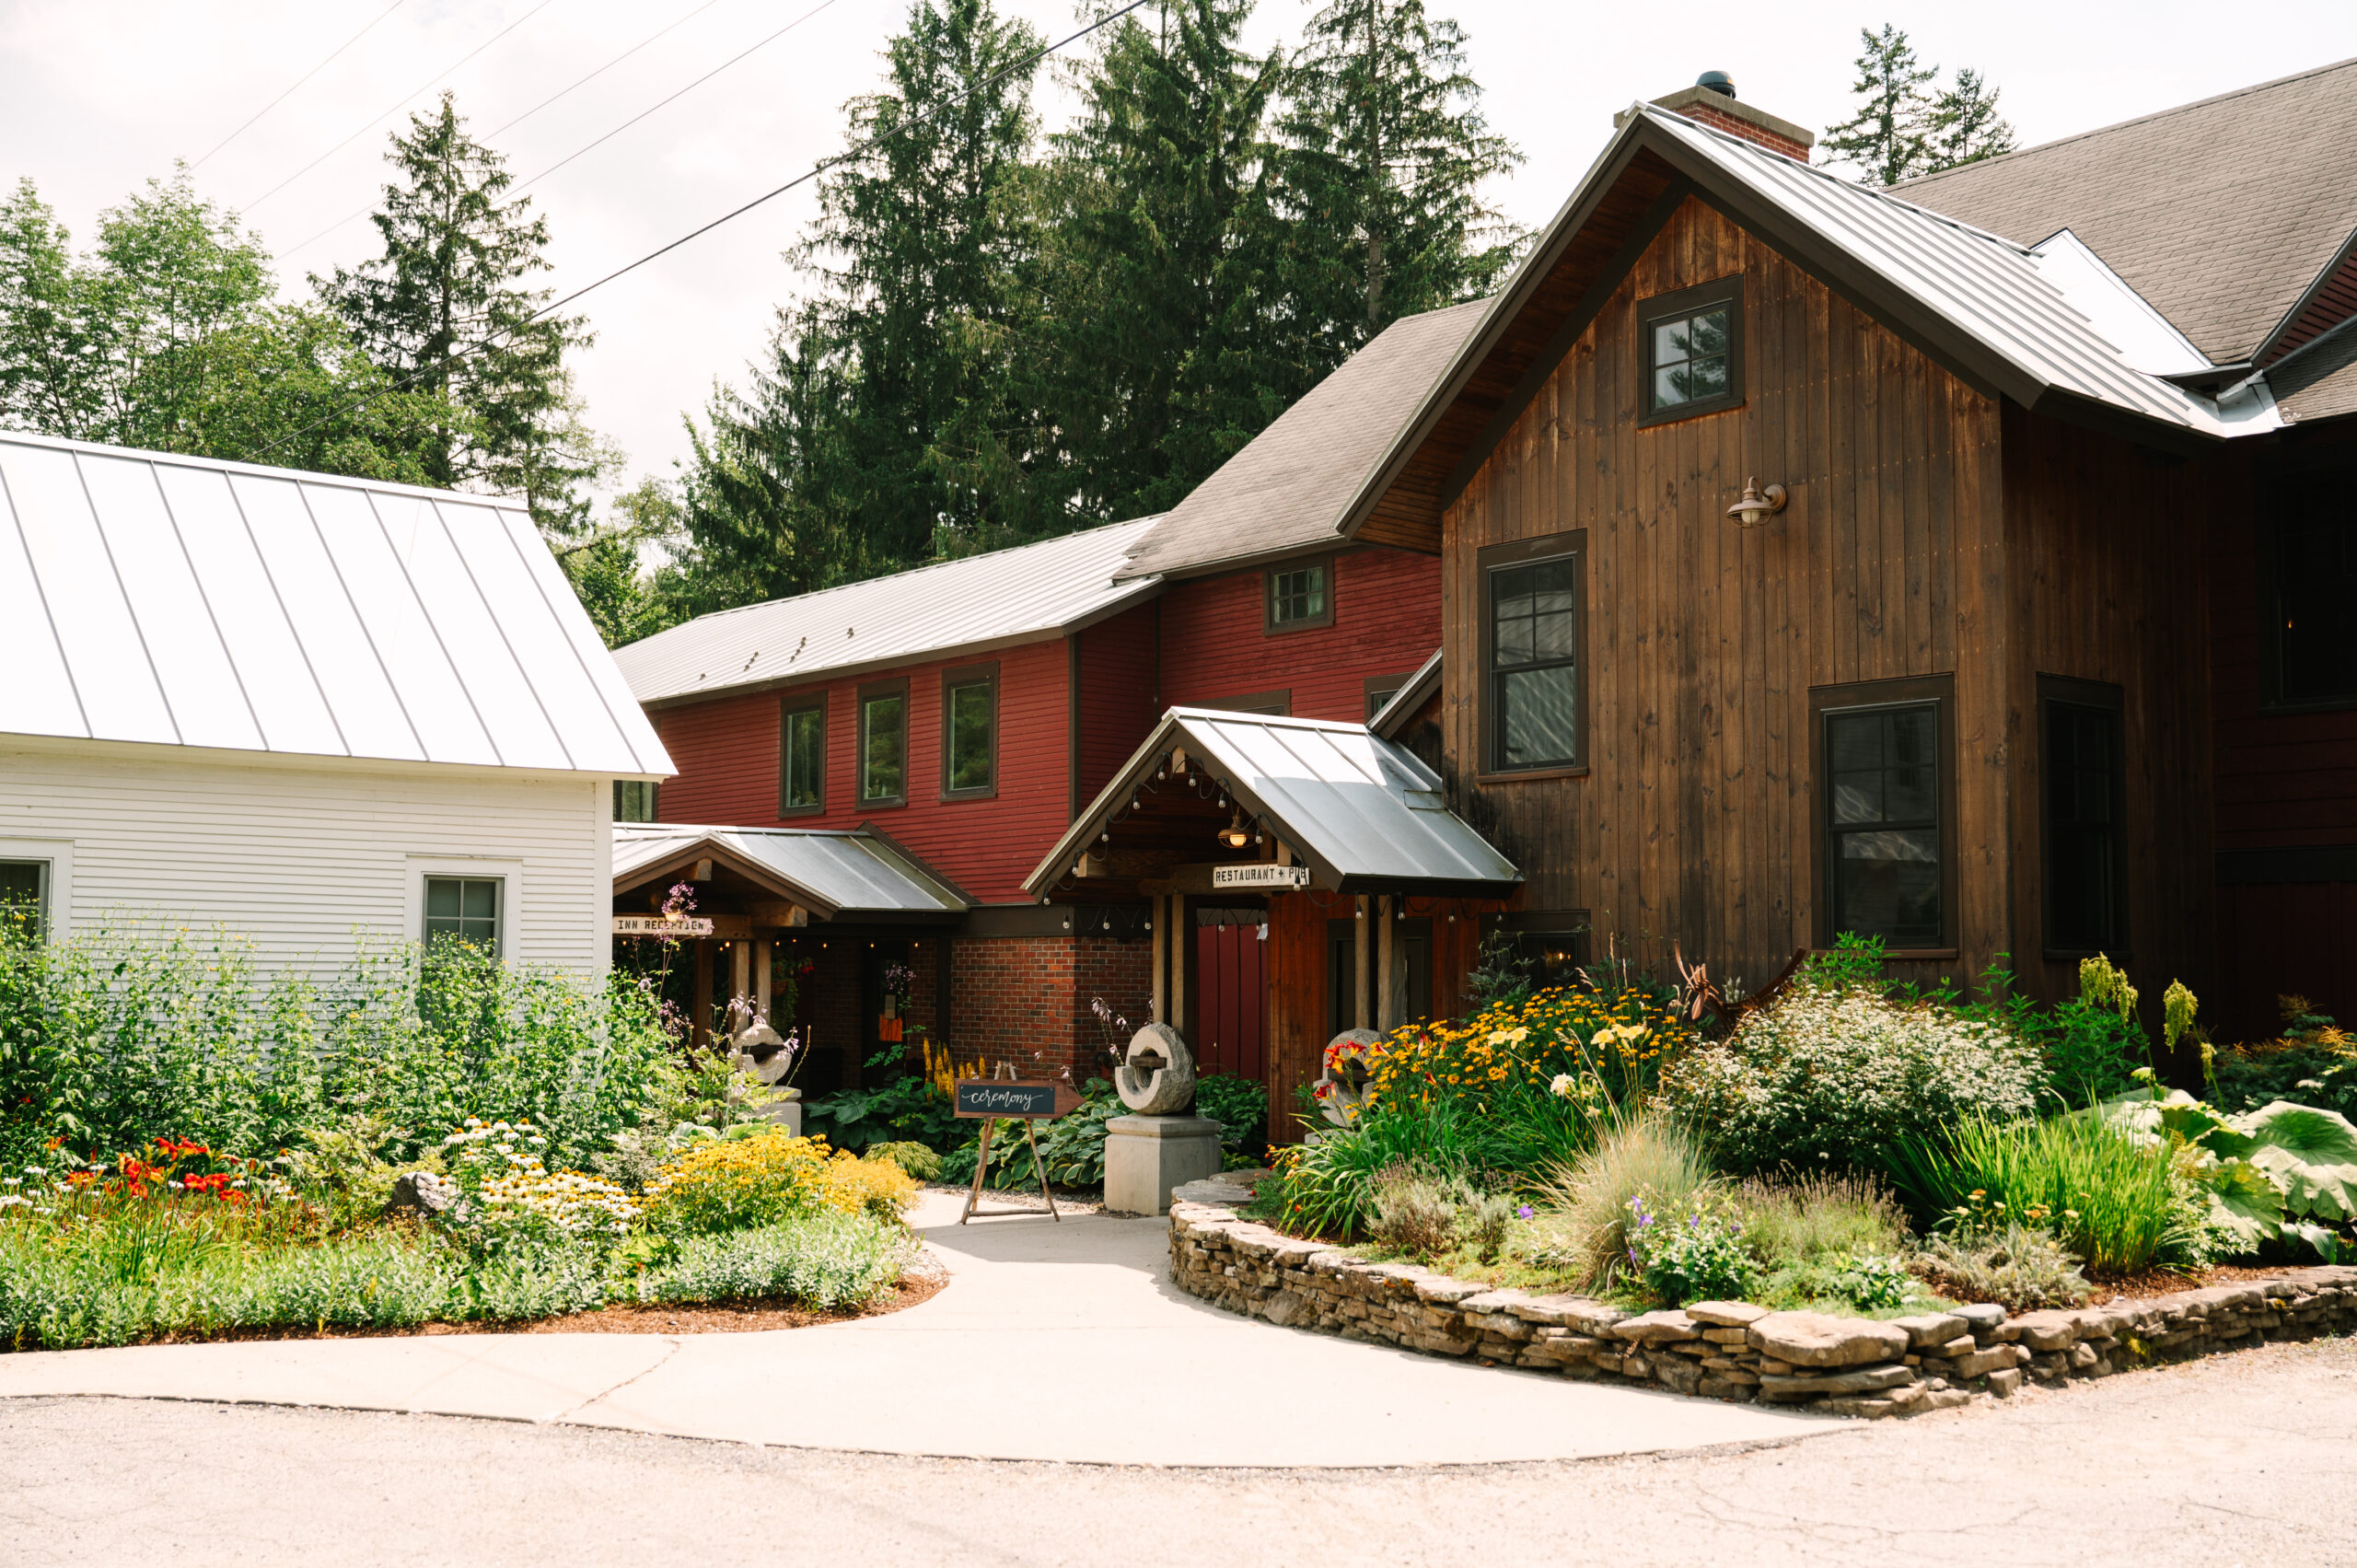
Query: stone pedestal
[1146,1157]
[786,1114]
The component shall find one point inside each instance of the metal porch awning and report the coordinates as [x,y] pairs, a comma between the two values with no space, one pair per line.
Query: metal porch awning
[1364,814]
[855,875]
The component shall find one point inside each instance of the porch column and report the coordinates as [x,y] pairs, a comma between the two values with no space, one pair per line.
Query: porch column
[740,968]
[700,999]
[764,955]
[1362,1016]
[1159,959]
[1392,1001]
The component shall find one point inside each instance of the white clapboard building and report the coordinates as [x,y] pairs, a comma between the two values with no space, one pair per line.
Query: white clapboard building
[301,707]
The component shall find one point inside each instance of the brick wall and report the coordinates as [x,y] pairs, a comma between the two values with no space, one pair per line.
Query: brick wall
[1026,999]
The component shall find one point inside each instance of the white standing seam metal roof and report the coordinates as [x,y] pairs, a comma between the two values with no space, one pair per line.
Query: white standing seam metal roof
[1982,284]
[1364,813]
[832,872]
[974,604]
[178,601]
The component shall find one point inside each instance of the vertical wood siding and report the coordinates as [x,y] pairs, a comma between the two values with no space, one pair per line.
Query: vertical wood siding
[304,861]
[1387,621]
[726,751]
[1693,820]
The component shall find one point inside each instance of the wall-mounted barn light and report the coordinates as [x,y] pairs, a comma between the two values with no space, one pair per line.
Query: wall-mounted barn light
[1756,506]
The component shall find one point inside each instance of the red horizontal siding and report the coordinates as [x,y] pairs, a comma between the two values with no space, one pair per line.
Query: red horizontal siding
[1387,621]
[1117,698]
[726,751]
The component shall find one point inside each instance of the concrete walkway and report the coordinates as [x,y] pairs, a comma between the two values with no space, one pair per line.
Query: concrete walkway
[1051,1342]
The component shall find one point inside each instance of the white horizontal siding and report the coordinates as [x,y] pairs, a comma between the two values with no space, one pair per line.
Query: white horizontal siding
[304,860]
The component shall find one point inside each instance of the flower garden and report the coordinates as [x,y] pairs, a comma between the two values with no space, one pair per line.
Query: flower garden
[189,1149]
[1847,1146]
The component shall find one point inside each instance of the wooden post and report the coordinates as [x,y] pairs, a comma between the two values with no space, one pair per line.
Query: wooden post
[1361,964]
[700,1026]
[1182,969]
[740,968]
[1391,1000]
[1160,959]
[764,956]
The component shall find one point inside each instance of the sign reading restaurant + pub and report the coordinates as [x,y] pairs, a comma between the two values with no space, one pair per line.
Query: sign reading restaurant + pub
[1029,1098]
[656,926]
[1261,875]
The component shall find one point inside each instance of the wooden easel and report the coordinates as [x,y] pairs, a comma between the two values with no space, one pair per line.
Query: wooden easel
[1006,1075]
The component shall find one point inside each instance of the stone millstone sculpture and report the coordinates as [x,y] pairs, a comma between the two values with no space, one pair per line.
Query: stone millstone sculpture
[1158,1076]
[759,1049]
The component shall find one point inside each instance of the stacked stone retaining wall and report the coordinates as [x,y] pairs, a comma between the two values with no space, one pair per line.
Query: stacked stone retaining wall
[1734,1350]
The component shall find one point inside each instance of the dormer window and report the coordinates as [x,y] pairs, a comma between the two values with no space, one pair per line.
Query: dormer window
[1692,347]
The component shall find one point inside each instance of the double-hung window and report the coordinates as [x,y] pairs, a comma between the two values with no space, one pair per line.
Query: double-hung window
[635,800]
[1693,346]
[1531,635]
[1886,833]
[884,743]
[463,909]
[2086,789]
[970,732]
[802,756]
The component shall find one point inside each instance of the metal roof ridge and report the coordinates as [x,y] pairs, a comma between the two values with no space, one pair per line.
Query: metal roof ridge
[265,470]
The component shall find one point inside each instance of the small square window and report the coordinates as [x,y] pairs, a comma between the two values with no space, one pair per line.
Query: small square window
[884,744]
[23,898]
[635,800]
[802,760]
[1693,351]
[463,909]
[1301,597]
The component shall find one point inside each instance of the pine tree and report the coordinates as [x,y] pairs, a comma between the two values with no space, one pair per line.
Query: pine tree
[1966,126]
[1385,152]
[448,310]
[922,240]
[1889,137]
[1158,352]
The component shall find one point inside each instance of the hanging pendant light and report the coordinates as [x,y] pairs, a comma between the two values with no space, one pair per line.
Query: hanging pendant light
[1235,835]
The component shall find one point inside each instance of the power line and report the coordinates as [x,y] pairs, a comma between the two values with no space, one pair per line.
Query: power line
[372,125]
[306,77]
[451,358]
[617,130]
[601,70]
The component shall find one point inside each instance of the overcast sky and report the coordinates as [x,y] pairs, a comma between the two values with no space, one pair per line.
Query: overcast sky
[101,94]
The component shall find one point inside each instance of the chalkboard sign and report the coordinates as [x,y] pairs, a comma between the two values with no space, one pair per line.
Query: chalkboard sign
[1031,1100]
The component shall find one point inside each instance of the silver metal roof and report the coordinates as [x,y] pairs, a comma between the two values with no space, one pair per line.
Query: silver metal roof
[1393,716]
[1988,287]
[1361,811]
[146,597]
[999,599]
[833,873]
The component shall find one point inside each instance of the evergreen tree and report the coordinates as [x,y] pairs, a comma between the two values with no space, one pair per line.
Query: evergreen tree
[449,308]
[922,242]
[1889,137]
[1385,152]
[1157,352]
[626,602]
[1966,126]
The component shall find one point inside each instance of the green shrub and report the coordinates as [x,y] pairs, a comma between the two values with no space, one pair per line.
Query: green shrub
[1817,1216]
[1832,1078]
[920,1162]
[1240,1106]
[1327,1188]
[1688,1250]
[1411,1213]
[2114,1200]
[2314,1063]
[1582,1226]
[2017,1266]
[827,1261]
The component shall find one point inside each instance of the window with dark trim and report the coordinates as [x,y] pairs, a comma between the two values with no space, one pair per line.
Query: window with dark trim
[23,898]
[636,800]
[1278,702]
[463,909]
[2309,586]
[1533,611]
[884,743]
[1381,689]
[970,732]
[2086,794]
[1693,342]
[802,756]
[1300,596]
[1885,834]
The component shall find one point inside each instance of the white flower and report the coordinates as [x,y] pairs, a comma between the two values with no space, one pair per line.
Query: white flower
[1562,1084]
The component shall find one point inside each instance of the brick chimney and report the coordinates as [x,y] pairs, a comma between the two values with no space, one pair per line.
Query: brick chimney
[1712,101]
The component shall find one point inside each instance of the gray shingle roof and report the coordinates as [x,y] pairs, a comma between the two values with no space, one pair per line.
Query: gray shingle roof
[1287,490]
[2220,213]
[1001,600]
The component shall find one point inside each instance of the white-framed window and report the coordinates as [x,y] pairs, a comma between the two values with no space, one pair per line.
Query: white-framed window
[475,902]
[36,887]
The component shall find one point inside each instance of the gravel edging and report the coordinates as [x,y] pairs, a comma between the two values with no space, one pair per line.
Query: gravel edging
[1732,1349]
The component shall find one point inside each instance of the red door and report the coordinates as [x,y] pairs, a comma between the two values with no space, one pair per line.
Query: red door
[1229,987]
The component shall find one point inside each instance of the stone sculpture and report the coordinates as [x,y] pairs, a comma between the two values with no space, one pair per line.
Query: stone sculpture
[1158,1077]
[1343,1090]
